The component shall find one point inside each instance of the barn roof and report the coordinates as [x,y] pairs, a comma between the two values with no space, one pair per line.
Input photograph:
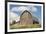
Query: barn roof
[25,11]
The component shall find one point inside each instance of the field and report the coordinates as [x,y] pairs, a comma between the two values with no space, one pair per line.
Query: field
[21,26]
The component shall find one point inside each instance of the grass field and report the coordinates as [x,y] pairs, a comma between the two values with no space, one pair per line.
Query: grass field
[21,26]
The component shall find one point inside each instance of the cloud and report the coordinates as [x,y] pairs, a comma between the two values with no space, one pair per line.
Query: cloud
[34,9]
[19,9]
[15,9]
[22,8]
[14,16]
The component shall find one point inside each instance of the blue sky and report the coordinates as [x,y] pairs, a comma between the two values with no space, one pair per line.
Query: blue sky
[17,9]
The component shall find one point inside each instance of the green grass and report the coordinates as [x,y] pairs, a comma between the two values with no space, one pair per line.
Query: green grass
[21,26]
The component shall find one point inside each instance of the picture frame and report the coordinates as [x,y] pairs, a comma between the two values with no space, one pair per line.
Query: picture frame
[17,3]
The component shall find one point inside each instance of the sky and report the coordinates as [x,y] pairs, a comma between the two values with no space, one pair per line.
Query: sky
[18,9]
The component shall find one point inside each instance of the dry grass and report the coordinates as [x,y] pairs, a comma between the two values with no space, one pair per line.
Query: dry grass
[20,26]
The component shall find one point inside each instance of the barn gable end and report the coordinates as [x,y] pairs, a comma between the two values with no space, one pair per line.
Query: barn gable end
[26,18]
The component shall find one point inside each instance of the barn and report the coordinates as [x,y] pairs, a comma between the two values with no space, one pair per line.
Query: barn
[26,18]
